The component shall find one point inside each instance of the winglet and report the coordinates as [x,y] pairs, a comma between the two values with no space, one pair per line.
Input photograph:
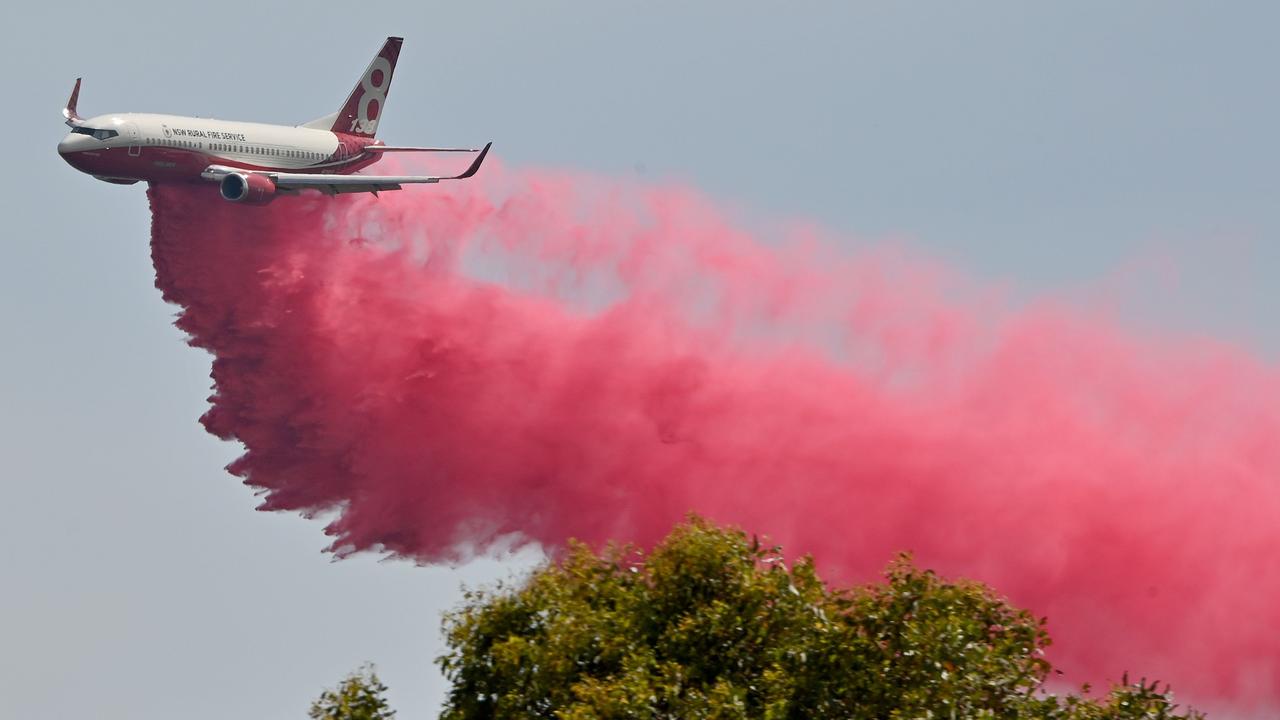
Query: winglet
[69,112]
[475,164]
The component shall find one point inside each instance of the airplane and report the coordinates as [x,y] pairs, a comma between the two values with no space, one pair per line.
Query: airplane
[251,162]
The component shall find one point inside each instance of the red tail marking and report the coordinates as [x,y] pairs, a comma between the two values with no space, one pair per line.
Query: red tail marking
[359,115]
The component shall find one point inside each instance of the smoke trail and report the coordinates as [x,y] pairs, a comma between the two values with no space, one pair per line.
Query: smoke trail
[644,357]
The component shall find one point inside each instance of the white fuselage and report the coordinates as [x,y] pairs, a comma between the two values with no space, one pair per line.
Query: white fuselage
[142,146]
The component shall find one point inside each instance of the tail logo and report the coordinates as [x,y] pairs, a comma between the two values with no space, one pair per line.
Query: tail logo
[374,84]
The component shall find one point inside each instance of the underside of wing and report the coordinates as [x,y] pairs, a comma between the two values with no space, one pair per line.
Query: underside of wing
[338,184]
[335,184]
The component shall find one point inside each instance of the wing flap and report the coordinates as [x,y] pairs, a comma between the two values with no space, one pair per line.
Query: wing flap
[339,188]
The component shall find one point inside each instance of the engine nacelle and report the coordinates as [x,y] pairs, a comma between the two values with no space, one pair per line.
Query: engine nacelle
[247,188]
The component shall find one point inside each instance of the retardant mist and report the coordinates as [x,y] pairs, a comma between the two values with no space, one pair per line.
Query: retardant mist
[571,357]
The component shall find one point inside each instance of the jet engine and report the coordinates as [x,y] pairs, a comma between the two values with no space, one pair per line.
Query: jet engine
[248,188]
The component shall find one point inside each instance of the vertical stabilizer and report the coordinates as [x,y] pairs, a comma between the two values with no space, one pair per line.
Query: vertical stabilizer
[360,114]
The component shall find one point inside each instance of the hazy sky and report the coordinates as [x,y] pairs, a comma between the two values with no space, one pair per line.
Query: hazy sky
[1044,148]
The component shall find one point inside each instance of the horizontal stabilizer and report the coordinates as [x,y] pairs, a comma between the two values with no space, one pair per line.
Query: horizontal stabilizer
[401,148]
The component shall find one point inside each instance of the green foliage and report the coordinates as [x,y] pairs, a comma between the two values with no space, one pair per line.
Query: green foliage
[357,697]
[713,625]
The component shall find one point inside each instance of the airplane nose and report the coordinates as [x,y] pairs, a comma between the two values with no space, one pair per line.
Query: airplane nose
[74,142]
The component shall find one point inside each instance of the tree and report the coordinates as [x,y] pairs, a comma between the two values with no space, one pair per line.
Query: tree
[712,624]
[357,697]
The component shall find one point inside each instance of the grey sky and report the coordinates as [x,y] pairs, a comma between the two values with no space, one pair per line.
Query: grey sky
[1045,147]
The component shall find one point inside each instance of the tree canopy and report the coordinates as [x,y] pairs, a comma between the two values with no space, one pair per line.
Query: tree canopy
[357,697]
[714,624]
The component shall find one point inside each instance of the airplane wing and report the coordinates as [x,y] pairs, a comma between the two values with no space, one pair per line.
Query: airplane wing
[332,184]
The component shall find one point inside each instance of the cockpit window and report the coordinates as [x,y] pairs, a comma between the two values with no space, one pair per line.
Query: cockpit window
[96,133]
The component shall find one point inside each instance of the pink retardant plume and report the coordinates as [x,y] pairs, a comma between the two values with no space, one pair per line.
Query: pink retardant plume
[542,359]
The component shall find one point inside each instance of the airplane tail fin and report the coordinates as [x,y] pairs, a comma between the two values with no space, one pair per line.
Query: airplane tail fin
[360,114]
